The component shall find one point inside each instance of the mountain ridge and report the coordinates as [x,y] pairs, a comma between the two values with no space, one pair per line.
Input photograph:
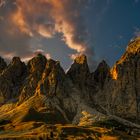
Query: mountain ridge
[42,91]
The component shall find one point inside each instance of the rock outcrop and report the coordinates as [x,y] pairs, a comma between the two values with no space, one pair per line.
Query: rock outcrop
[53,81]
[101,74]
[121,93]
[79,71]
[113,91]
[81,77]
[11,79]
[3,64]
[58,89]
[35,68]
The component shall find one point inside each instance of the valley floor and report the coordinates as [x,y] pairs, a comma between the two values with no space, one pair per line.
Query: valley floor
[42,131]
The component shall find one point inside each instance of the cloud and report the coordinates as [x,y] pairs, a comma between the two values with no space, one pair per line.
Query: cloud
[13,42]
[45,18]
[65,17]
[18,19]
[46,30]
[2,3]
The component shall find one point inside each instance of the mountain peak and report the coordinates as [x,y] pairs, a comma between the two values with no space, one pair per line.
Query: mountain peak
[103,64]
[132,51]
[134,46]
[81,59]
[101,72]
[2,64]
[16,60]
[37,63]
[80,63]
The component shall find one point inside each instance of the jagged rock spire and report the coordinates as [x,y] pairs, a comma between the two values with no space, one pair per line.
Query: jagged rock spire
[11,79]
[3,64]
[134,46]
[35,68]
[79,71]
[53,81]
[101,73]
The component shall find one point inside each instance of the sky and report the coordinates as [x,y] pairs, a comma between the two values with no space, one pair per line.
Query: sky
[64,29]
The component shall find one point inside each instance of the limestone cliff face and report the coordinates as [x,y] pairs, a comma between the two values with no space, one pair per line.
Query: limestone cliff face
[101,74]
[35,68]
[3,64]
[88,83]
[11,79]
[81,77]
[58,89]
[79,71]
[121,94]
[113,90]
[53,81]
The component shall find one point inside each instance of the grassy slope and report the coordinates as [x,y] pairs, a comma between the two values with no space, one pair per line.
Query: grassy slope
[39,130]
[26,121]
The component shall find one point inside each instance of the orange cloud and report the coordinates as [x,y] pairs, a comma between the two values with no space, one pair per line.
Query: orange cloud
[46,30]
[18,19]
[33,16]
[65,23]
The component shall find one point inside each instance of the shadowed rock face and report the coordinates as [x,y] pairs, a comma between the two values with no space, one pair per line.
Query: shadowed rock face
[12,78]
[3,64]
[115,90]
[88,83]
[121,94]
[79,71]
[101,73]
[81,77]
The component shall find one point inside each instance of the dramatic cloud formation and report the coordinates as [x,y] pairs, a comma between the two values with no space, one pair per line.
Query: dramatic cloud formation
[64,14]
[62,17]
[26,19]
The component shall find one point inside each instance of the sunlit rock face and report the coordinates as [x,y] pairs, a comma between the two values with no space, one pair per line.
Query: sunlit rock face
[11,79]
[121,94]
[35,68]
[53,81]
[58,89]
